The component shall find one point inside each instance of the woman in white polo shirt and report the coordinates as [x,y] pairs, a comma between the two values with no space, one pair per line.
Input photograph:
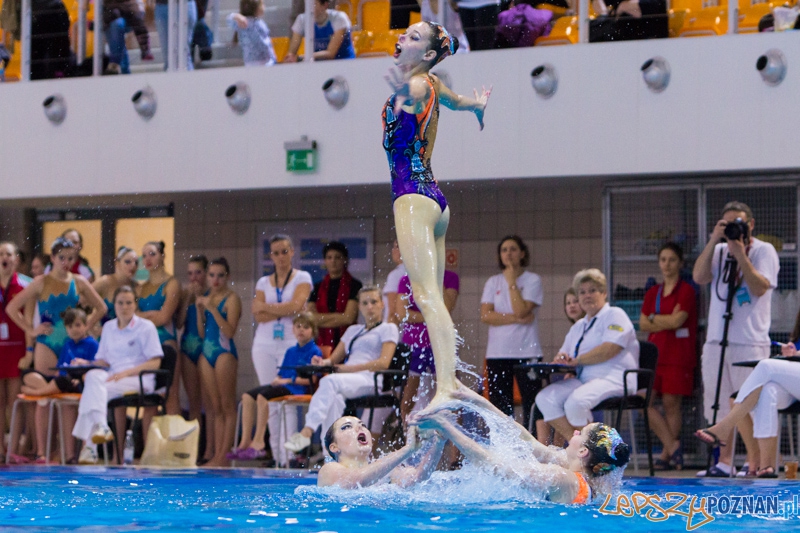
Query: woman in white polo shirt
[128,345]
[278,298]
[601,345]
[509,305]
[364,349]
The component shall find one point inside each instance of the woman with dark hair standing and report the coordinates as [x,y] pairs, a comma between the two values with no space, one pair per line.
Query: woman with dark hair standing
[218,320]
[159,298]
[669,314]
[192,347]
[508,306]
[125,266]
[13,343]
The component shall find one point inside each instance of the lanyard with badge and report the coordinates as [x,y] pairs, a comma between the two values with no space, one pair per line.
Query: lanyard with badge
[354,339]
[578,346]
[278,328]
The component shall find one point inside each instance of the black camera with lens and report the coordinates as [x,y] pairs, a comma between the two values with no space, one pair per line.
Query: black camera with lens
[737,229]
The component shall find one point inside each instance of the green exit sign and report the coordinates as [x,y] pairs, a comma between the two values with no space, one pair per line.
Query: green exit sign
[301,160]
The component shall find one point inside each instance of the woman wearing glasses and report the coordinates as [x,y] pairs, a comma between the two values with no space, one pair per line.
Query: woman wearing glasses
[601,345]
[278,298]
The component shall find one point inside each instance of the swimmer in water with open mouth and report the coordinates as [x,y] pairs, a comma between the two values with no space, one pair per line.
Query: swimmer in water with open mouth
[349,443]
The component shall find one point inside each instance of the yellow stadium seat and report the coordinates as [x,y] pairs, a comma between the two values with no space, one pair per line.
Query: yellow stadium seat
[708,21]
[750,16]
[565,31]
[414,17]
[346,6]
[281,46]
[14,67]
[713,20]
[373,15]
[373,44]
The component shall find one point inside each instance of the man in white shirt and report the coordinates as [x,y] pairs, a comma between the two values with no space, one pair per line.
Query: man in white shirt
[748,333]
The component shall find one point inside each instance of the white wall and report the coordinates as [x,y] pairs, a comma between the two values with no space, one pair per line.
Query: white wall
[716,115]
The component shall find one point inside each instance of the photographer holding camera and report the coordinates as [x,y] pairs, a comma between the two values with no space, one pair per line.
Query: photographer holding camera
[748,333]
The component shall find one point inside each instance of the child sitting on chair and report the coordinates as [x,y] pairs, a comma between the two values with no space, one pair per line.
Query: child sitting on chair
[78,350]
[287,383]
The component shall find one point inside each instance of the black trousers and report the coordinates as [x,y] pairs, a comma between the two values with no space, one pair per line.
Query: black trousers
[501,375]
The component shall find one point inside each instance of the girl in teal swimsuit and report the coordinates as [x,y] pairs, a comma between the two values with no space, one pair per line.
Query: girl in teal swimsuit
[159,299]
[192,347]
[54,292]
[218,318]
[125,266]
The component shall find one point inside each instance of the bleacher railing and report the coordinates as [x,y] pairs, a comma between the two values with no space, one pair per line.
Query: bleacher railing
[176,51]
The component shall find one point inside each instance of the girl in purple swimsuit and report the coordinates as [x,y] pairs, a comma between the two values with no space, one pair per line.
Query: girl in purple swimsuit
[410,119]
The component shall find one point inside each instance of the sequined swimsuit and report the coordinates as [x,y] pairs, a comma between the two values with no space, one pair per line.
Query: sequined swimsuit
[408,140]
[50,310]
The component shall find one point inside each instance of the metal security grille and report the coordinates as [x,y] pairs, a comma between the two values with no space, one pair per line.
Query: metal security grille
[639,218]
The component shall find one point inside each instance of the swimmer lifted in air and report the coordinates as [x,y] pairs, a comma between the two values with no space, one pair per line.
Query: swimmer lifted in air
[349,442]
[410,119]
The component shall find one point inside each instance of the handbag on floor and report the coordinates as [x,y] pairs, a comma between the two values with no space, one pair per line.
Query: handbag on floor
[171,442]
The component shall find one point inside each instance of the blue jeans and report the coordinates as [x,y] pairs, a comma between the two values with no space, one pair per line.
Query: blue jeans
[115,36]
[162,23]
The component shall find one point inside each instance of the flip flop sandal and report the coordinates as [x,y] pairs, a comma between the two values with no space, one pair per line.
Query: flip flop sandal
[661,465]
[766,473]
[708,437]
[15,459]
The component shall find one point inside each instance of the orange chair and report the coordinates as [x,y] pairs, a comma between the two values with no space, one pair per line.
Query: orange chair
[565,31]
[414,17]
[56,402]
[750,16]
[281,46]
[374,15]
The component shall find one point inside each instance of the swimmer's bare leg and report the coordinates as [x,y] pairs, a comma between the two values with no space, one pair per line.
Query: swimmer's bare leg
[421,227]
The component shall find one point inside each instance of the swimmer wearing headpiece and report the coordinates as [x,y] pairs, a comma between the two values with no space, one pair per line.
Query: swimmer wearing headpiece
[593,452]
[349,442]
[410,119]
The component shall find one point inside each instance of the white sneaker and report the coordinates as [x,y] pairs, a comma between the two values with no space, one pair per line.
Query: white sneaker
[297,443]
[88,456]
[101,434]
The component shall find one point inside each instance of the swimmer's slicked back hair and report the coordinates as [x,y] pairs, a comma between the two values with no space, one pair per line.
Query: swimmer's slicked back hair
[328,440]
[607,450]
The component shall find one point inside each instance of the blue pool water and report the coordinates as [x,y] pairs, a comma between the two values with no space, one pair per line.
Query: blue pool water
[118,499]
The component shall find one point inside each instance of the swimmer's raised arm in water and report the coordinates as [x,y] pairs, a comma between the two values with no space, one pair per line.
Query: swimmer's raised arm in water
[544,454]
[349,442]
[593,452]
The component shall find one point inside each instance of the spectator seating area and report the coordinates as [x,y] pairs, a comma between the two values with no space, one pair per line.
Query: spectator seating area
[372,35]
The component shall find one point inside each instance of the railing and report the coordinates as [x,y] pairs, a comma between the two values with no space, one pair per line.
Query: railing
[176,49]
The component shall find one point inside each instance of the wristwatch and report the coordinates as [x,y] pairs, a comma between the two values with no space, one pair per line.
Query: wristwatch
[651,317]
